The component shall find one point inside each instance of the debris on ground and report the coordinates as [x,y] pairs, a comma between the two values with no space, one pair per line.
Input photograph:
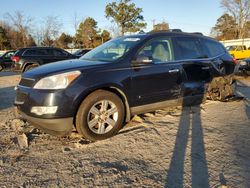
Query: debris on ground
[22,141]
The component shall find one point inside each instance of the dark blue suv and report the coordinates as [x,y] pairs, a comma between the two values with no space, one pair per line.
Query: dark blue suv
[129,75]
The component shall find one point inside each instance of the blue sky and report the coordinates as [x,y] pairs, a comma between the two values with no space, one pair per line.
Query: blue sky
[188,15]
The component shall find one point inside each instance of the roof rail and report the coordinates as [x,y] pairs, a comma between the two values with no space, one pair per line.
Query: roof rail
[168,30]
[175,30]
[197,33]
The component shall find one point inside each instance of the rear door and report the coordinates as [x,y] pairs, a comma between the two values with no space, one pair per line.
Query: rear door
[196,65]
[219,57]
[157,81]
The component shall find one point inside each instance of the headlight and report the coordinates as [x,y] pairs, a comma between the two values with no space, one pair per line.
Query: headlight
[59,81]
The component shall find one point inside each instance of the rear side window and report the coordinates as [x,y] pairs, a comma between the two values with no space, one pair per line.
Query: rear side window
[60,53]
[49,52]
[43,52]
[188,48]
[17,52]
[214,48]
[30,52]
[36,52]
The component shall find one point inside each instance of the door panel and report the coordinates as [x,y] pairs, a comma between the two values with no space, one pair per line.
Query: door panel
[198,75]
[197,68]
[197,71]
[160,80]
[156,83]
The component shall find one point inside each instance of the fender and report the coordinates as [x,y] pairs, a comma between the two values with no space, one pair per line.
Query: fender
[127,108]
[115,89]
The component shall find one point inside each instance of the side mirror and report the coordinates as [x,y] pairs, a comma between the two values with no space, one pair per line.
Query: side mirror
[142,59]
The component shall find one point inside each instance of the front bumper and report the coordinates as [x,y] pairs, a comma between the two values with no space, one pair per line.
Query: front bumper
[59,123]
[57,127]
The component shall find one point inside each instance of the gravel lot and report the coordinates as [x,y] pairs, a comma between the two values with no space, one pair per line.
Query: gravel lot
[201,146]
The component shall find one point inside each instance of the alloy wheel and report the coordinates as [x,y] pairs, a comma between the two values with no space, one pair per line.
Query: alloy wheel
[102,117]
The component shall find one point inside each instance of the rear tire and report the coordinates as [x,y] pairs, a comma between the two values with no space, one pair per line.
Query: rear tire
[100,115]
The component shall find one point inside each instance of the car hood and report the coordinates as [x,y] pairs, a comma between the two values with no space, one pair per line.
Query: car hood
[62,66]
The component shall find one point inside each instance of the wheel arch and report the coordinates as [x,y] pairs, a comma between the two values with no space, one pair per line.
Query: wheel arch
[122,95]
[114,89]
[26,64]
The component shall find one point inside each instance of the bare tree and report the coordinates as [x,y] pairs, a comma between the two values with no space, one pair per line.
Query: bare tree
[38,35]
[240,10]
[21,23]
[76,21]
[50,30]
[115,31]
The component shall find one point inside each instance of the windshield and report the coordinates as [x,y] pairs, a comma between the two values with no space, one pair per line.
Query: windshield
[113,50]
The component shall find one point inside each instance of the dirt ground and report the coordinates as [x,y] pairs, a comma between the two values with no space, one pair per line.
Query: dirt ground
[201,146]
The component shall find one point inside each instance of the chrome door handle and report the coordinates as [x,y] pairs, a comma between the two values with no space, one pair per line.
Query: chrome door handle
[173,70]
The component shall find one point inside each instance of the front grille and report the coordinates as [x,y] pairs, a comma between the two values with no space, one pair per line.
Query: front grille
[20,97]
[27,82]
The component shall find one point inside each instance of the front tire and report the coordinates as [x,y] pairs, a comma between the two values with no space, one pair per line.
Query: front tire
[100,115]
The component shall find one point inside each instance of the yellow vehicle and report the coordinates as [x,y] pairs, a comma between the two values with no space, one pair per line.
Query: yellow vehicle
[239,51]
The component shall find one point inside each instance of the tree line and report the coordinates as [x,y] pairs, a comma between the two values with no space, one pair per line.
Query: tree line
[18,30]
[235,22]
